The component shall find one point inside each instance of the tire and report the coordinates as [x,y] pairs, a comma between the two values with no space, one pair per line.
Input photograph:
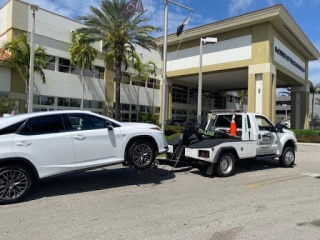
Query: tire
[226,165]
[287,158]
[15,183]
[141,154]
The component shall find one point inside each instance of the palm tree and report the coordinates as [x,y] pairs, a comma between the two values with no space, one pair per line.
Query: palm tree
[19,48]
[118,33]
[144,70]
[82,55]
[242,94]
[314,89]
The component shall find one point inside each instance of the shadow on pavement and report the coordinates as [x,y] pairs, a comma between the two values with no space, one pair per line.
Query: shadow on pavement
[250,165]
[98,180]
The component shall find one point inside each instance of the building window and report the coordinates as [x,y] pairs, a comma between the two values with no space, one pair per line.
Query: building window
[125,117]
[75,70]
[143,108]
[157,110]
[125,107]
[150,83]
[125,78]
[45,100]
[193,95]
[64,65]
[36,99]
[89,72]
[75,102]
[4,94]
[134,108]
[51,63]
[134,117]
[64,102]
[156,84]
[179,93]
[99,72]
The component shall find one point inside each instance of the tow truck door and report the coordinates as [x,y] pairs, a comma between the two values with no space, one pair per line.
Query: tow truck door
[266,140]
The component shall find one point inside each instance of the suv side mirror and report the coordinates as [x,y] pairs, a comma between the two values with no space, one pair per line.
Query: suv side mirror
[108,125]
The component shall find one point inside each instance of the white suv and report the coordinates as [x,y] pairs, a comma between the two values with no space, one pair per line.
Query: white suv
[46,144]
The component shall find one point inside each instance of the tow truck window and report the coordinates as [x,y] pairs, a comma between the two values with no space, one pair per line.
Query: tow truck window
[263,123]
[224,121]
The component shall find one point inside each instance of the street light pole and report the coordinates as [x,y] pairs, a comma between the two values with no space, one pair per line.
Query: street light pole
[204,40]
[164,74]
[34,8]
[164,70]
[200,86]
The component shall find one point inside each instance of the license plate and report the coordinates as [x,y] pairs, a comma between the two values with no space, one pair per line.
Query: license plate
[170,149]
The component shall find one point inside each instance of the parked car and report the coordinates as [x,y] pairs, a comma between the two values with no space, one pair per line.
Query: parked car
[176,122]
[40,145]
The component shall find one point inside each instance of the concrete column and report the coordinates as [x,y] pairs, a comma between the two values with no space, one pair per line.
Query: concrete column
[109,91]
[299,107]
[222,100]
[169,101]
[262,90]
[251,93]
[168,108]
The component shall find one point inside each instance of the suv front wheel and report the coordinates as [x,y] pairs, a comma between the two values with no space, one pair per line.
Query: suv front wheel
[141,154]
[15,183]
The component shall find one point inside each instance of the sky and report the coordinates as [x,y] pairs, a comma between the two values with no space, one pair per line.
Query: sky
[305,12]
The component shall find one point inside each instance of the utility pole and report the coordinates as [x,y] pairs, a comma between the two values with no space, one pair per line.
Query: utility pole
[164,69]
[34,8]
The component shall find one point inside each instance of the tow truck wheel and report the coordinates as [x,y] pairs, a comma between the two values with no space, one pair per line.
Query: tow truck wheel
[287,158]
[226,165]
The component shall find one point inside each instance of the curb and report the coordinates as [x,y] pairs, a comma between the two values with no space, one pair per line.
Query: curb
[310,144]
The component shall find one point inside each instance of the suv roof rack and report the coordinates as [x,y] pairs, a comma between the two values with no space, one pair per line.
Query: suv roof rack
[228,110]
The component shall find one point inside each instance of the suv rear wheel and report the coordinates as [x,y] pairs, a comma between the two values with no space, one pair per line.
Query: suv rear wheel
[141,154]
[15,183]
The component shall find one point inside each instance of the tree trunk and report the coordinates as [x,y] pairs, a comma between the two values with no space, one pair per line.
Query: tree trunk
[312,111]
[118,77]
[27,96]
[82,78]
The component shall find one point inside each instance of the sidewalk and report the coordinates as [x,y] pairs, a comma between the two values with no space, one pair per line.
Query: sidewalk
[310,144]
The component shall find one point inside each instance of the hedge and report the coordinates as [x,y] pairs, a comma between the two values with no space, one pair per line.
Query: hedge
[170,130]
[307,135]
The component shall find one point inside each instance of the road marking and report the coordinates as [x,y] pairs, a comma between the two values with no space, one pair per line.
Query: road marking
[276,181]
[311,174]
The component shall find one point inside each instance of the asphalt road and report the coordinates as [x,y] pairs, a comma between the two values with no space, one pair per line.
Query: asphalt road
[262,201]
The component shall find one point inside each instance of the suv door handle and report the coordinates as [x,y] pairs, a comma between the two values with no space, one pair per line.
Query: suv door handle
[80,137]
[23,144]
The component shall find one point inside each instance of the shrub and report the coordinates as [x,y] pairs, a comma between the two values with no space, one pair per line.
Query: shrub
[147,118]
[170,130]
[307,135]
[176,135]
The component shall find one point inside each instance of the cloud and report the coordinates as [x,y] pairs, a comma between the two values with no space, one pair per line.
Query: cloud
[155,14]
[65,7]
[239,6]
[314,72]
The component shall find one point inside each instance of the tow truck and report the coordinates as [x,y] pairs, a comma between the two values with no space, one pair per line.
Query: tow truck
[214,150]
